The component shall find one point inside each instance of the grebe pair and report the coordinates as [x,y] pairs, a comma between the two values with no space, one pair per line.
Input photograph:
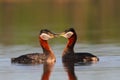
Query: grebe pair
[48,55]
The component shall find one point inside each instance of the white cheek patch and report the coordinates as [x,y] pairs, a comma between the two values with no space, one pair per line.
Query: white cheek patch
[68,34]
[44,36]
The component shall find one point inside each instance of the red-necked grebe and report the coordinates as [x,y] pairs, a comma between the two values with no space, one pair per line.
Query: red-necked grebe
[69,54]
[37,58]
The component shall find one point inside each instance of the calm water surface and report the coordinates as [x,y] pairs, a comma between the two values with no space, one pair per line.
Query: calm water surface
[108,68]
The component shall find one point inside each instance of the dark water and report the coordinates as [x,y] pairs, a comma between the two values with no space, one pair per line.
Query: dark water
[108,68]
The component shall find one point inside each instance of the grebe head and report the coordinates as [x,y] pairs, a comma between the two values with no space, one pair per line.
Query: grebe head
[68,33]
[46,34]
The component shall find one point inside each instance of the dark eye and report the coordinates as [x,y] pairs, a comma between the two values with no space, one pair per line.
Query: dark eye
[44,36]
[68,34]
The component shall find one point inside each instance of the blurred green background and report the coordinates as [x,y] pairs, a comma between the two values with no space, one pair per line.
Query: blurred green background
[95,21]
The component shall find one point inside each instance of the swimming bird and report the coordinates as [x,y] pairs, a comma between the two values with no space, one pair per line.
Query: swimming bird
[69,54]
[38,58]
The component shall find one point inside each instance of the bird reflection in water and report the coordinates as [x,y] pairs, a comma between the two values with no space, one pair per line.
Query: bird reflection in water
[69,68]
[48,67]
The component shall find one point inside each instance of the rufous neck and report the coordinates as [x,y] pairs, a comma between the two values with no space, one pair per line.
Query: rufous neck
[71,42]
[46,48]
